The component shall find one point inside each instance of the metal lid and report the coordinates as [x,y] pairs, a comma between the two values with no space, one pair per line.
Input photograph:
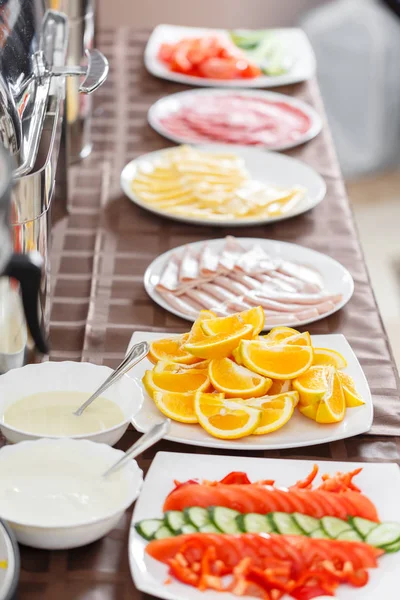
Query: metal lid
[9,563]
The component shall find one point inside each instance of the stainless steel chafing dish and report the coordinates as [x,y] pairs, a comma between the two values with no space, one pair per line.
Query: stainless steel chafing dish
[33,72]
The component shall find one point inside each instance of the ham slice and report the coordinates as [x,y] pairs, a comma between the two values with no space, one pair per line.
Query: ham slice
[237,278]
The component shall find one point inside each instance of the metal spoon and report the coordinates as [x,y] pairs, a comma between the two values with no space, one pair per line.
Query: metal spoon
[135,355]
[154,435]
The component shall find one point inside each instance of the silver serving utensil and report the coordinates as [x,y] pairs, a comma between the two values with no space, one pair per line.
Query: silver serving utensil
[135,355]
[154,435]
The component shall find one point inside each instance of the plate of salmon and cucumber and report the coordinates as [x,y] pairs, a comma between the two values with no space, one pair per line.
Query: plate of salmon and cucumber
[208,526]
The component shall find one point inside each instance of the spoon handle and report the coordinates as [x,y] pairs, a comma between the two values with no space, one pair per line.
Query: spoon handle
[154,435]
[135,355]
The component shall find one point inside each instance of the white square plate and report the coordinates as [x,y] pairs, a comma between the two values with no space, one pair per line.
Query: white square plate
[294,41]
[149,575]
[300,431]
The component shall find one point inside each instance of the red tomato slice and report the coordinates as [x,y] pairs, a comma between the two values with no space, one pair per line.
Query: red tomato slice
[298,504]
[312,504]
[360,505]
[235,477]
[219,68]
[284,501]
[194,495]
[331,504]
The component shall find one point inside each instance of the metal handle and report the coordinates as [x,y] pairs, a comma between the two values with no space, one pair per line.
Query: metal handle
[95,73]
[135,355]
[154,435]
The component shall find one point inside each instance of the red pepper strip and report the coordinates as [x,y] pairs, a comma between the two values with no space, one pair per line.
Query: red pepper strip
[179,484]
[307,482]
[340,482]
[235,477]
[358,578]
[207,579]
[183,573]
[266,581]
[319,578]
[308,592]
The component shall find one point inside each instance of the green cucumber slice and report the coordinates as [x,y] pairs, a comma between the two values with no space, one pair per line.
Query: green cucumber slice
[350,535]
[197,516]
[285,524]
[188,528]
[148,527]
[175,520]
[306,523]
[384,534]
[224,519]
[392,547]
[209,528]
[363,526]
[163,532]
[254,523]
[334,527]
[320,534]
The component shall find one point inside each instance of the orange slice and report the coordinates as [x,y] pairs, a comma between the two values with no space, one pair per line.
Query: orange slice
[177,406]
[254,317]
[278,361]
[172,367]
[313,384]
[220,345]
[326,356]
[280,386]
[235,380]
[175,382]
[276,411]
[196,333]
[225,419]
[351,396]
[277,334]
[332,407]
[309,411]
[171,349]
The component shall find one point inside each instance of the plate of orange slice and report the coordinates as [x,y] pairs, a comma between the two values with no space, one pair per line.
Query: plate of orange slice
[225,385]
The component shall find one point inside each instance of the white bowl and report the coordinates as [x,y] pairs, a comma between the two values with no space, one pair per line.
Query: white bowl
[74,377]
[97,457]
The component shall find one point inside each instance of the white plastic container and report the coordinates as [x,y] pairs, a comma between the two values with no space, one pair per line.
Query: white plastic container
[357,45]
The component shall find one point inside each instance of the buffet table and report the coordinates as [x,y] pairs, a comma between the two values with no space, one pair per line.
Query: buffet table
[99,256]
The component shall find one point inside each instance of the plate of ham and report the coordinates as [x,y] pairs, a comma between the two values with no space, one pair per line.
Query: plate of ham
[293,284]
[245,117]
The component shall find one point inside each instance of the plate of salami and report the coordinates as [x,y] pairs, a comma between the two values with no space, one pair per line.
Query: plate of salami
[245,117]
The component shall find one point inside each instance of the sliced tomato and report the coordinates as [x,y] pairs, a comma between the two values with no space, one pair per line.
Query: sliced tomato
[296,498]
[166,52]
[284,501]
[250,72]
[360,505]
[312,504]
[331,504]
[186,496]
[236,477]
[183,573]
[219,68]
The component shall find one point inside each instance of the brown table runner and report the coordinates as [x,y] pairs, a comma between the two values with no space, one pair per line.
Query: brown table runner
[100,253]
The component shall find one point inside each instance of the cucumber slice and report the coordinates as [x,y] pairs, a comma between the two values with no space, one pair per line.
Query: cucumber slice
[224,519]
[350,535]
[148,527]
[384,534]
[188,528]
[163,532]
[320,534]
[392,547]
[306,523]
[363,526]
[254,523]
[197,516]
[209,528]
[334,527]
[175,520]
[285,524]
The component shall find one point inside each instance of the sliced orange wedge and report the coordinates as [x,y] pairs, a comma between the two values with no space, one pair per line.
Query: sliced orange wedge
[171,349]
[236,381]
[175,382]
[351,396]
[173,367]
[280,386]
[313,384]
[220,345]
[276,411]
[332,407]
[177,406]
[277,334]
[254,317]
[327,356]
[225,419]
[277,361]
[196,333]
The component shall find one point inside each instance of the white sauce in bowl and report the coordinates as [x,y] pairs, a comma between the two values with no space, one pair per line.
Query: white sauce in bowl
[59,484]
[51,413]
